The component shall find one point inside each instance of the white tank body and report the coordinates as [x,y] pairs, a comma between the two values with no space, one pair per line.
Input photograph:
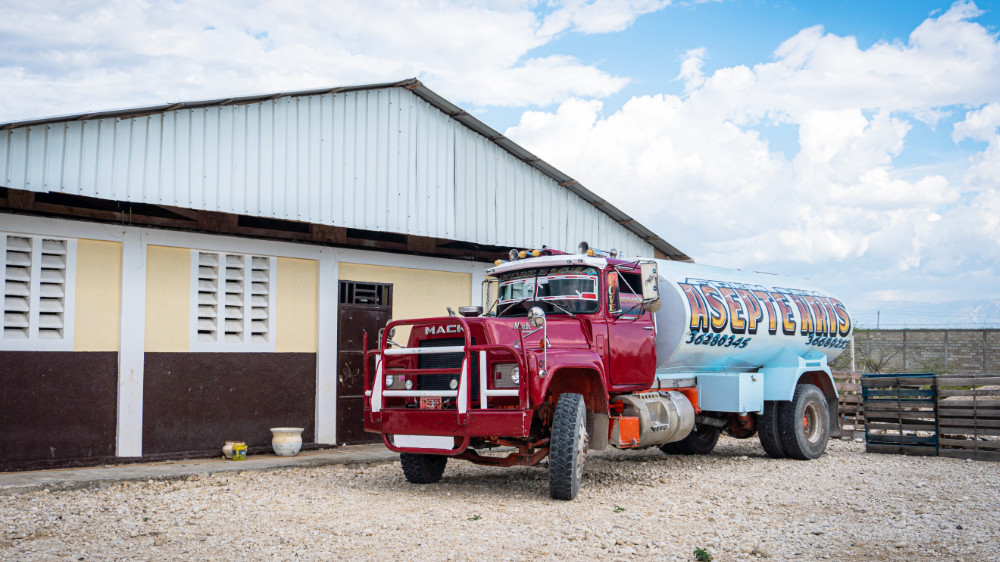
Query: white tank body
[718,319]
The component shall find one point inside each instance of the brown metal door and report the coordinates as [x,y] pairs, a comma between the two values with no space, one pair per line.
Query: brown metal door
[365,308]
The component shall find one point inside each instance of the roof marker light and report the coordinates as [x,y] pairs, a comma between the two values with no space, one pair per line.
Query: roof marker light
[513,255]
[522,254]
[535,253]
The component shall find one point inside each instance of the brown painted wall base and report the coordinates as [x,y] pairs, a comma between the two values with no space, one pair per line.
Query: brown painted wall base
[197,401]
[56,406]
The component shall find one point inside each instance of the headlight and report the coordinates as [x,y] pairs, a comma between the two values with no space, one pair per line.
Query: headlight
[453,384]
[388,380]
[409,384]
[506,375]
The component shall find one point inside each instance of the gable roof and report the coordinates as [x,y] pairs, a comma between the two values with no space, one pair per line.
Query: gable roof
[414,86]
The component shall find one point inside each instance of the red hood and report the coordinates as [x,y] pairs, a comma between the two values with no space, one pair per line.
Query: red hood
[564,332]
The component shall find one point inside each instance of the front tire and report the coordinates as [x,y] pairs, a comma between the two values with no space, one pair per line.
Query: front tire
[422,469]
[804,423]
[568,447]
[699,442]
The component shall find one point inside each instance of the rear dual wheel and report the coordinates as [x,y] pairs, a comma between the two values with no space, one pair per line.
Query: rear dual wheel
[804,423]
[799,429]
[701,441]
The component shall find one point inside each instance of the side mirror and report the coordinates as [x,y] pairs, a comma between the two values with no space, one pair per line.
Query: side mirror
[650,286]
[536,317]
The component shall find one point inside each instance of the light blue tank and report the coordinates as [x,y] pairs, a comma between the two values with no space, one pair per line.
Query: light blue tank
[715,319]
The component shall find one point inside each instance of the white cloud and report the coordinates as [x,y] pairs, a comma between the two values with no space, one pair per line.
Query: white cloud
[691,65]
[58,58]
[697,171]
[599,16]
[981,124]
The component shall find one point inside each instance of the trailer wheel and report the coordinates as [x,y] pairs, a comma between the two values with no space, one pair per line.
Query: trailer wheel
[422,469]
[767,431]
[568,447]
[701,441]
[804,423]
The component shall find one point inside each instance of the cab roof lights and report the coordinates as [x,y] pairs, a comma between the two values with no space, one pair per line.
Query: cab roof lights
[583,249]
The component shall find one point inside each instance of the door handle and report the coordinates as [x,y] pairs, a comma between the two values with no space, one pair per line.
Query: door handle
[648,328]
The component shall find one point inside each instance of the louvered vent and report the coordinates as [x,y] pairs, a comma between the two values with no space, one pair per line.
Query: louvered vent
[52,289]
[260,290]
[234,296]
[17,288]
[208,296]
[34,288]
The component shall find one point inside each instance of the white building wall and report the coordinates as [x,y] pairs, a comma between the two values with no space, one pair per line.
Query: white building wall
[377,159]
[135,242]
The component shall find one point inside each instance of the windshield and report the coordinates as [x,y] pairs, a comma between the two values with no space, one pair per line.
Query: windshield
[556,290]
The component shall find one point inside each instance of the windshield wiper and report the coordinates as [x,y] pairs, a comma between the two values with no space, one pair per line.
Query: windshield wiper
[553,303]
[512,305]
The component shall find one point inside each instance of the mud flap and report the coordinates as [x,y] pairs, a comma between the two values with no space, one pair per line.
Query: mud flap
[597,429]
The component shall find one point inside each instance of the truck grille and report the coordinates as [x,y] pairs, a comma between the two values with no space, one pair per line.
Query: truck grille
[446,361]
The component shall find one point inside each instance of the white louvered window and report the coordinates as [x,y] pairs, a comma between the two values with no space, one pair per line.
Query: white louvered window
[37,284]
[233,301]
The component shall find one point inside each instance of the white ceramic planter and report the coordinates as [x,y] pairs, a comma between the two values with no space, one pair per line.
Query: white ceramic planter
[286,441]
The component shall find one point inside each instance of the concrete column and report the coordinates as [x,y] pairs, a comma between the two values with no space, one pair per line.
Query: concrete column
[326,348]
[132,342]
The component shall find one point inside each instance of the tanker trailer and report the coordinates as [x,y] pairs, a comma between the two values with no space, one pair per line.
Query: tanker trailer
[577,352]
[747,343]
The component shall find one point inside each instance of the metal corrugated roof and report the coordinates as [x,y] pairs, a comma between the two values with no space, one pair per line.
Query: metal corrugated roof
[616,216]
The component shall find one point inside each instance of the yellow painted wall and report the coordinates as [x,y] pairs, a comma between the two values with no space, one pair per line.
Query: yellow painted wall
[416,293]
[98,295]
[168,299]
[296,299]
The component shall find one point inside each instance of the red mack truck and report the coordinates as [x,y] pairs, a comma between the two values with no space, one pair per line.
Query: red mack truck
[579,352]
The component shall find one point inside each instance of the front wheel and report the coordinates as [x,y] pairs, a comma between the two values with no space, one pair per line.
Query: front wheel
[804,423]
[568,447]
[422,469]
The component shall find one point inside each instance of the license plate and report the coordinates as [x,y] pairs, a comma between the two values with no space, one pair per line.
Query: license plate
[430,402]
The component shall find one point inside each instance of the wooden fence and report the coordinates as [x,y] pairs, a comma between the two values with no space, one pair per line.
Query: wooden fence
[969,417]
[927,414]
[852,414]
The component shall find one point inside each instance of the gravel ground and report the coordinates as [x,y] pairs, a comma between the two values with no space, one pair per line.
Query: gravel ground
[735,503]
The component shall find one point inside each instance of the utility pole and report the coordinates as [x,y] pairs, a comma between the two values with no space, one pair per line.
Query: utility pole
[853,368]
[878,319]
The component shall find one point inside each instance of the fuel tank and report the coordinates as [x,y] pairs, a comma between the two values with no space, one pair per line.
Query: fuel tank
[718,319]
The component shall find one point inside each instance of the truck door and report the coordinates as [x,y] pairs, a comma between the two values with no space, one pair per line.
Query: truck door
[631,337]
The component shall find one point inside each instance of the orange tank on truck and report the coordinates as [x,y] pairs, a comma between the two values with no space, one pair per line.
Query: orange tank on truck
[584,351]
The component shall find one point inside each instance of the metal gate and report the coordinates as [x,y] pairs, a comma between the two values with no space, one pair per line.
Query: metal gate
[365,308]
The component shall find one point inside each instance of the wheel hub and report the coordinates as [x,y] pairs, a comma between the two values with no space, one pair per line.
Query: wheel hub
[812,422]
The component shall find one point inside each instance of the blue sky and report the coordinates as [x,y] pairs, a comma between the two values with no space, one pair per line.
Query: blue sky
[854,143]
